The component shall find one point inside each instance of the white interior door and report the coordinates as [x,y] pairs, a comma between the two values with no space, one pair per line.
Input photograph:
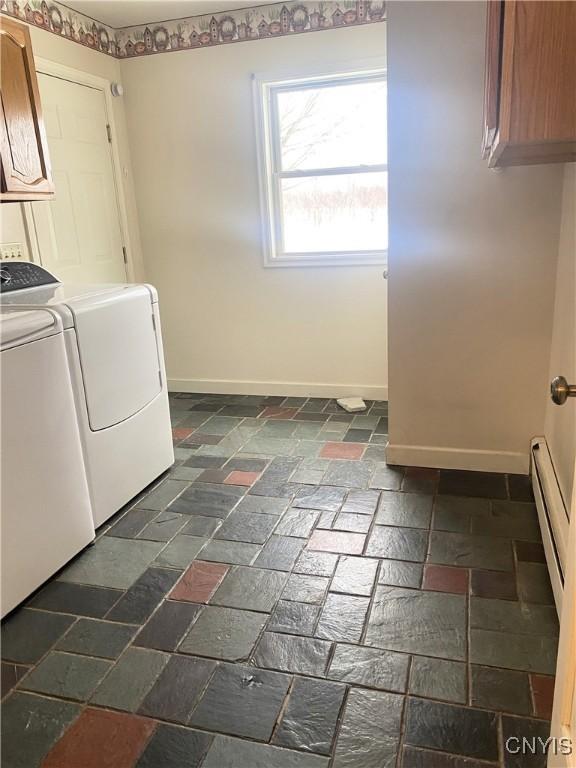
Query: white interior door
[560,429]
[561,440]
[79,231]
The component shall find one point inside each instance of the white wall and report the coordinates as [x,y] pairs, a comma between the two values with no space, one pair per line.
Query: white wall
[53,48]
[472,256]
[230,324]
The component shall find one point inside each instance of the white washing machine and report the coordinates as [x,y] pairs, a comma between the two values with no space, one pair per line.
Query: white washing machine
[44,499]
[116,360]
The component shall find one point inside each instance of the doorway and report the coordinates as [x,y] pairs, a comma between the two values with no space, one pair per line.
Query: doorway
[81,229]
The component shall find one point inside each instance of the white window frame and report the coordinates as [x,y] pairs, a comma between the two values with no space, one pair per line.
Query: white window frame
[270,174]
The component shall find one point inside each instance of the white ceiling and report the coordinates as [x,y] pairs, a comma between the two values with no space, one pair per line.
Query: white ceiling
[124,13]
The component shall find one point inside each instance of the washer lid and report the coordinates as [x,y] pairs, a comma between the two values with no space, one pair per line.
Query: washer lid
[19,326]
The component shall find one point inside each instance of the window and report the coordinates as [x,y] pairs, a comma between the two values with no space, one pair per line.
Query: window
[323,168]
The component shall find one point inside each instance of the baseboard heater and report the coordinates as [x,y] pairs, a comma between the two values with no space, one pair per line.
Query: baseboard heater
[552,514]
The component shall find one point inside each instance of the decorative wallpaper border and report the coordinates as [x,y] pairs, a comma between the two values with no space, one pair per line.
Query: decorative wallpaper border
[254,23]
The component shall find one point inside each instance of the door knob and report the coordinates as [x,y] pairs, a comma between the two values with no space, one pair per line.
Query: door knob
[560,390]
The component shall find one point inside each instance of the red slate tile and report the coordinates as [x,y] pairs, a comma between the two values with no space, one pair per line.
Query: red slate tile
[542,695]
[181,433]
[277,412]
[199,582]
[239,477]
[445,578]
[342,451]
[101,739]
[337,541]
[496,584]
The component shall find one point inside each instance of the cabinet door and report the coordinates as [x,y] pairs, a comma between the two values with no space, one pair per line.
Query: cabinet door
[23,147]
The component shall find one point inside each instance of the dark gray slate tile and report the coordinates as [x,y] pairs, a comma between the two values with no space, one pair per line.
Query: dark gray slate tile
[78,599]
[438,679]
[370,731]
[263,504]
[425,758]
[168,625]
[67,676]
[421,480]
[509,519]
[316,563]
[342,617]
[237,463]
[300,655]
[455,513]
[254,589]
[224,633]
[115,563]
[534,583]
[234,552]
[206,462]
[520,487]
[488,485]
[28,634]
[355,435]
[242,701]
[449,728]
[132,523]
[355,575]
[175,747]
[410,510]
[305,589]
[400,574]
[11,675]
[532,653]
[271,489]
[130,679]
[201,526]
[361,502]
[293,618]
[280,553]
[504,616]
[140,600]
[426,623]
[226,752]
[161,496]
[397,543]
[178,688]
[164,527]
[180,552]
[349,474]
[246,526]
[470,551]
[501,689]
[208,500]
[309,720]
[517,728]
[370,667]
[297,522]
[387,478]
[375,453]
[242,410]
[31,725]
[91,637]
[324,498]
[347,521]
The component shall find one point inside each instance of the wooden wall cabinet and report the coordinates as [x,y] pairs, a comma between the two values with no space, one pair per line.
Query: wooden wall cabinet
[530,86]
[25,165]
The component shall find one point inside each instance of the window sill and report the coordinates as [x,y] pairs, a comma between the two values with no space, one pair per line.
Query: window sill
[378,259]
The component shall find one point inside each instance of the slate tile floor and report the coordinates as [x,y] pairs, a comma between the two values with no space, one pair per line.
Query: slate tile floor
[281,598]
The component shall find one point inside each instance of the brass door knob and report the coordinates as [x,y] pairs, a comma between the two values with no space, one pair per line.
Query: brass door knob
[560,390]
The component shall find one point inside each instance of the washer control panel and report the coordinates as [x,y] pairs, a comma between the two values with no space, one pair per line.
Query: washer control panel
[19,275]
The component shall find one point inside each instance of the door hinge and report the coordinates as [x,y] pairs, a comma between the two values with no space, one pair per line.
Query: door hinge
[124,254]
[109,133]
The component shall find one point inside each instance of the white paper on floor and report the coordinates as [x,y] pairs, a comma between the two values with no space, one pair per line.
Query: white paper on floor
[352,404]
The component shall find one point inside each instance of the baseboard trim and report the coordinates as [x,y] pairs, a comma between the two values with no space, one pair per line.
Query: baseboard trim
[287,388]
[458,458]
